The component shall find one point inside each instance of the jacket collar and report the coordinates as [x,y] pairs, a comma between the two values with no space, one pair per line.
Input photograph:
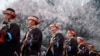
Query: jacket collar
[33,27]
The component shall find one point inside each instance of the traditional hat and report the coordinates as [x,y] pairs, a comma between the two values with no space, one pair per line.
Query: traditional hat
[10,11]
[83,41]
[80,38]
[54,25]
[34,18]
[92,46]
[72,32]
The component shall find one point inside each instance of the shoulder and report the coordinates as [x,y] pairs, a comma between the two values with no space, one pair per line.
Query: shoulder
[14,24]
[73,40]
[36,30]
[59,35]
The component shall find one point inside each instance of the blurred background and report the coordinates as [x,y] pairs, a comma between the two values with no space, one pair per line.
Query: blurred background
[81,15]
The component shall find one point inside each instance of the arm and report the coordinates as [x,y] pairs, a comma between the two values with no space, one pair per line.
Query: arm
[72,45]
[60,40]
[15,32]
[37,36]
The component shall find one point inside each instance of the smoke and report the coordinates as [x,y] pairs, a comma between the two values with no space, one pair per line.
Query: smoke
[80,15]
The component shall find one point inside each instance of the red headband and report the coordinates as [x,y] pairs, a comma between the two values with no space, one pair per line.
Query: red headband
[9,12]
[54,25]
[72,32]
[34,19]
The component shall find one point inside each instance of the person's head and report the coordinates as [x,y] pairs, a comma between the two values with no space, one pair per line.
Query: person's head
[9,14]
[91,47]
[33,21]
[81,40]
[54,27]
[71,33]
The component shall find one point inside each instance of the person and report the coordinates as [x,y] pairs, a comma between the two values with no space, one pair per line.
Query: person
[82,47]
[91,50]
[72,43]
[33,38]
[56,41]
[12,44]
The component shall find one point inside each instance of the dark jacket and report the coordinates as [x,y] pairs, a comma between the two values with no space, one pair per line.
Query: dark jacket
[73,44]
[35,47]
[82,50]
[58,50]
[14,44]
[93,53]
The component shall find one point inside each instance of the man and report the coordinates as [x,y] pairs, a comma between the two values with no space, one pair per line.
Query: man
[13,30]
[33,38]
[56,41]
[82,47]
[72,45]
[92,52]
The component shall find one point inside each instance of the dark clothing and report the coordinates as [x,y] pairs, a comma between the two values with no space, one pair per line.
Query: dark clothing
[82,50]
[4,47]
[34,48]
[73,47]
[13,45]
[58,50]
[93,53]
[65,51]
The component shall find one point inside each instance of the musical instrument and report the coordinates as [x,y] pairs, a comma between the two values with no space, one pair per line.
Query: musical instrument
[51,48]
[65,53]
[27,39]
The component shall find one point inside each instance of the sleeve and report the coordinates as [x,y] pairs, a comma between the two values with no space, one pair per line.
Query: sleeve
[15,32]
[37,36]
[73,45]
[60,40]
[8,36]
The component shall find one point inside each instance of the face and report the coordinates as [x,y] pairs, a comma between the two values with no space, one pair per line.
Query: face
[90,48]
[30,23]
[78,40]
[69,34]
[53,29]
[7,16]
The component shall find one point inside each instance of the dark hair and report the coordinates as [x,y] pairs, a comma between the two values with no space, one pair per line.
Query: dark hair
[10,9]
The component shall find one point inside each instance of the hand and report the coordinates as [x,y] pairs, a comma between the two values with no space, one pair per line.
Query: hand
[52,43]
[65,46]
[25,43]
[5,21]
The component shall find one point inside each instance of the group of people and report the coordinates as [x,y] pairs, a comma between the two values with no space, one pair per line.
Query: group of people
[72,46]
[10,44]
